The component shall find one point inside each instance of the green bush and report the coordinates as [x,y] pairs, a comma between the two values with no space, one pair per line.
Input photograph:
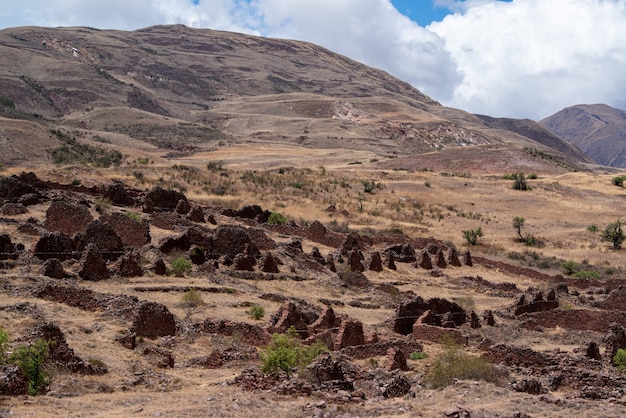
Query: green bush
[619,180]
[285,352]
[257,312]
[180,266]
[4,346]
[31,362]
[619,359]
[276,218]
[472,235]
[133,216]
[614,234]
[417,355]
[587,274]
[520,181]
[455,364]
[570,267]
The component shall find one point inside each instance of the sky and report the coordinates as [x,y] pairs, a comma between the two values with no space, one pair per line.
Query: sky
[513,58]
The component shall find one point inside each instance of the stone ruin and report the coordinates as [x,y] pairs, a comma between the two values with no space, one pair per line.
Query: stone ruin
[534,301]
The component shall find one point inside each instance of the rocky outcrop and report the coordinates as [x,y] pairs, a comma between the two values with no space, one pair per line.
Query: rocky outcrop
[65,217]
[92,265]
[132,231]
[153,320]
[55,245]
[159,199]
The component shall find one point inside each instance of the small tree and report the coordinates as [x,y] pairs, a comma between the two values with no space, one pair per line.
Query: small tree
[518,223]
[192,302]
[614,234]
[4,346]
[520,181]
[472,235]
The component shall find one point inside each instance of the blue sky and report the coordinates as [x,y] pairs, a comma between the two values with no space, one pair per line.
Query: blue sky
[503,58]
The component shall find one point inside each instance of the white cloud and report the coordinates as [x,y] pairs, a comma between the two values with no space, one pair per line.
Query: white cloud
[525,58]
[531,58]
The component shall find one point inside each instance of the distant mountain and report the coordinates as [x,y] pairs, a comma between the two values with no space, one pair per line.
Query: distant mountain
[598,130]
[535,131]
[173,91]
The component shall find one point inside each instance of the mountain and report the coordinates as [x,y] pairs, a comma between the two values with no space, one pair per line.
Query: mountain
[174,91]
[598,130]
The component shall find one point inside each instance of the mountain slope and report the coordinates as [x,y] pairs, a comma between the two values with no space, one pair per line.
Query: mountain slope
[173,91]
[598,130]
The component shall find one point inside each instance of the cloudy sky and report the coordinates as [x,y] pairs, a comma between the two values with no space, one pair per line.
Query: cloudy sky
[514,58]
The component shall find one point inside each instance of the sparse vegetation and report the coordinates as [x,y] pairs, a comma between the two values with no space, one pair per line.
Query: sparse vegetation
[518,223]
[619,359]
[614,234]
[103,205]
[519,182]
[453,364]
[73,152]
[192,302]
[133,216]
[472,235]
[181,266]
[418,355]
[256,312]
[276,218]
[285,353]
[619,180]
[31,361]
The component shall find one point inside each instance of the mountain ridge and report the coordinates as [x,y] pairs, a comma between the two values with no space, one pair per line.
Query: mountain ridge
[599,130]
[185,90]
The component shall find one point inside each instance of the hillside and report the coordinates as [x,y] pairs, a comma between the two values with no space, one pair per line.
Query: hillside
[598,130]
[171,91]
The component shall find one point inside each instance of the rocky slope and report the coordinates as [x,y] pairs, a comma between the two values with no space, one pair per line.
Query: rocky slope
[598,130]
[173,90]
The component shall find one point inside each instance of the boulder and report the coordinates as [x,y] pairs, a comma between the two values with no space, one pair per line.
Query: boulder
[453,258]
[350,334]
[92,265]
[117,194]
[375,262]
[159,199]
[13,209]
[103,237]
[231,240]
[153,320]
[395,360]
[53,268]
[65,217]
[196,214]
[269,264]
[129,265]
[425,261]
[8,250]
[55,245]
[133,232]
[354,260]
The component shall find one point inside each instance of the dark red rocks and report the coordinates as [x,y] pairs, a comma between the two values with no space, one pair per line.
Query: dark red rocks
[92,265]
[453,258]
[153,320]
[132,231]
[247,333]
[66,217]
[104,238]
[425,261]
[53,268]
[231,240]
[129,265]
[196,214]
[354,261]
[269,264]
[118,195]
[395,360]
[350,333]
[55,245]
[399,386]
[159,199]
[375,262]
[407,313]
[8,250]
[159,267]
[289,316]
[159,357]
[13,209]
[536,304]
[467,259]
[614,340]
